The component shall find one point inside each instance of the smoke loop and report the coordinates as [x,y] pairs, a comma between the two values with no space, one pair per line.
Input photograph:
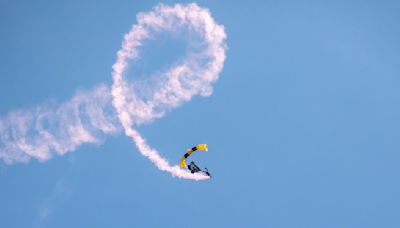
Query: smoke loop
[90,115]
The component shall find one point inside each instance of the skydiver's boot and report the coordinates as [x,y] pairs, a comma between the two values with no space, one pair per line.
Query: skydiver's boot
[206,172]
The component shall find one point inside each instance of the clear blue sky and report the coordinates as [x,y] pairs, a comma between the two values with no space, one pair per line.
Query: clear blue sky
[303,126]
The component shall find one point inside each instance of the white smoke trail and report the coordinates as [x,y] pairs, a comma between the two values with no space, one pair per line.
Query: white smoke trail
[48,129]
[193,75]
[89,115]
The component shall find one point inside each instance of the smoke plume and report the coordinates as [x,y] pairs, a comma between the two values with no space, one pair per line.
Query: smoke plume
[90,115]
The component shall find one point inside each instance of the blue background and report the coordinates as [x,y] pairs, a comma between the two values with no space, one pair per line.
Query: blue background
[303,126]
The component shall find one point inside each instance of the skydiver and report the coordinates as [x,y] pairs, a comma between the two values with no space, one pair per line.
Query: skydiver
[192,166]
[195,169]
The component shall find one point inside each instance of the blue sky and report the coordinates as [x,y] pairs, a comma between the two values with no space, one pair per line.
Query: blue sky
[302,127]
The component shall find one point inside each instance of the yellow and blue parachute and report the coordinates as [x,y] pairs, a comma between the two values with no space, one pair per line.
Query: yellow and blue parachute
[182,162]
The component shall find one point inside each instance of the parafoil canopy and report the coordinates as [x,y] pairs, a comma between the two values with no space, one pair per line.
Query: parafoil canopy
[182,162]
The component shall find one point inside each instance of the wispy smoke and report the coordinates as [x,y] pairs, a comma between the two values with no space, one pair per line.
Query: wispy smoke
[42,131]
[192,76]
[90,115]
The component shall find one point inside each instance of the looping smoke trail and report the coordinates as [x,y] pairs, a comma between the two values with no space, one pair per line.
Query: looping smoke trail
[90,115]
[192,76]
